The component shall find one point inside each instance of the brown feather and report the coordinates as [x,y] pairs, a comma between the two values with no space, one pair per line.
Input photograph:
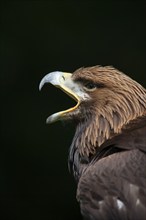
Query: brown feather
[116,104]
[108,152]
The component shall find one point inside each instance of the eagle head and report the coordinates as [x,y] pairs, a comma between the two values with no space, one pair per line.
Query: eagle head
[107,100]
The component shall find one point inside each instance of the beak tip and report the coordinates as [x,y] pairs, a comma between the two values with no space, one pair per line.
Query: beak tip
[48,121]
[41,85]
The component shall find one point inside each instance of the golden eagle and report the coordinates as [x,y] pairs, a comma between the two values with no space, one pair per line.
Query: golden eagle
[108,152]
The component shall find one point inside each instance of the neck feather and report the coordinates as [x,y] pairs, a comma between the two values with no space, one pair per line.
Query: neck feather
[101,122]
[96,129]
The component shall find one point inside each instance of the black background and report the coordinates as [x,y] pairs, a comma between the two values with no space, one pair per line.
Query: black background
[37,37]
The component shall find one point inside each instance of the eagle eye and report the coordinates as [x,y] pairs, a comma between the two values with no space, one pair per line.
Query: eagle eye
[90,85]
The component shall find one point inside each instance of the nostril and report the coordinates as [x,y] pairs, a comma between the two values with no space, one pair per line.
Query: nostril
[63,78]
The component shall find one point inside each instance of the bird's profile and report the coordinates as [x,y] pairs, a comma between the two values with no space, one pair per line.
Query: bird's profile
[108,152]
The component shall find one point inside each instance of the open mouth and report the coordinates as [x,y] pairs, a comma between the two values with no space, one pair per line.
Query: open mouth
[65,83]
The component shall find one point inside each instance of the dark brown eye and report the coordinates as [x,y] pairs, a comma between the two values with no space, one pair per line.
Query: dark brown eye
[90,85]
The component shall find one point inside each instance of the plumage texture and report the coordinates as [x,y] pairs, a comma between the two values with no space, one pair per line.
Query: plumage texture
[108,152]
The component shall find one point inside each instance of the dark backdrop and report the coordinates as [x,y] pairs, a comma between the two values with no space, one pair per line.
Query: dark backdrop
[37,37]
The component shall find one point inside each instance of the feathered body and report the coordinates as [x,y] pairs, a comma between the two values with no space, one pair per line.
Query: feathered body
[108,151]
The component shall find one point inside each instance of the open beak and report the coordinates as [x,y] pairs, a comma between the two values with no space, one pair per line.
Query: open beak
[65,82]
